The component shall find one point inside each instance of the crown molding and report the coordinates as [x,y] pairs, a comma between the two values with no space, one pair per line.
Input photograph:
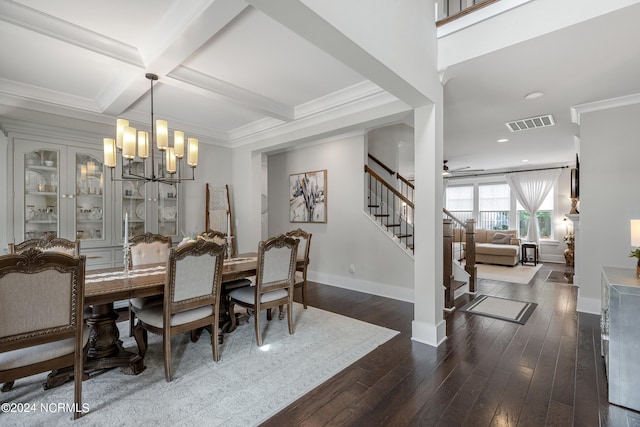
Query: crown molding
[48,25]
[20,91]
[606,104]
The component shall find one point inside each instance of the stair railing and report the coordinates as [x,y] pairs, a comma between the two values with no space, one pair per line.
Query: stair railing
[390,208]
[403,185]
[449,10]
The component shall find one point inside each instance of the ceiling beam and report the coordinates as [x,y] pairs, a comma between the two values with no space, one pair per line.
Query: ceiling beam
[48,25]
[303,21]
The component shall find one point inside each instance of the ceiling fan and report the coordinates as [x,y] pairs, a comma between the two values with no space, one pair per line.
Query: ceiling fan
[446,171]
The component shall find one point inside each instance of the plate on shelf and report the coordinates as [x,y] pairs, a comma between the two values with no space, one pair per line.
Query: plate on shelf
[129,189]
[32,180]
[168,213]
[140,210]
[32,159]
[167,191]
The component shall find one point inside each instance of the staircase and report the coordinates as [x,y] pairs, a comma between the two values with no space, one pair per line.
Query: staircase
[390,209]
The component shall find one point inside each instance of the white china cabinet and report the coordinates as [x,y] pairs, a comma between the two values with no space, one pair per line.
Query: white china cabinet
[60,191]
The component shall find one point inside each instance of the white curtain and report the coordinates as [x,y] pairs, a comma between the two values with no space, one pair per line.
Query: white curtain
[531,188]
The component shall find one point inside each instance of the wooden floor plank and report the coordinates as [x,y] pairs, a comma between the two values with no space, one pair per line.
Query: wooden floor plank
[488,372]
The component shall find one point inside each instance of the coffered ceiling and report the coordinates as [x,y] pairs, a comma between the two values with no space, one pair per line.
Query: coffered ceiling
[225,69]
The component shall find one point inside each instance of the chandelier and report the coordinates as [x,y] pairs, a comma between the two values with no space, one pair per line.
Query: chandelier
[165,167]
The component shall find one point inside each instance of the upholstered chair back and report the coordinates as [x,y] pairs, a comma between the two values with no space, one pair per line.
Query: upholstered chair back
[304,245]
[41,315]
[149,248]
[47,244]
[194,272]
[276,262]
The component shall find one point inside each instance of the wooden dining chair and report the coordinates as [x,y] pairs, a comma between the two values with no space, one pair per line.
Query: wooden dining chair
[191,298]
[214,236]
[41,322]
[47,244]
[274,281]
[146,249]
[303,253]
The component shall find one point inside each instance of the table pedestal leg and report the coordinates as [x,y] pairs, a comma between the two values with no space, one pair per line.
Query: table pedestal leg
[105,348]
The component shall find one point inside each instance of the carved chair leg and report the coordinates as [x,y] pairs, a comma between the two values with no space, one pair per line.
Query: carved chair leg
[280,312]
[7,386]
[290,316]
[166,345]
[304,294]
[215,341]
[232,316]
[269,314]
[257,325]
[141,336]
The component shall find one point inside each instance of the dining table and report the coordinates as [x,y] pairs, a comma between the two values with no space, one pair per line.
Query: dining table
[104,287]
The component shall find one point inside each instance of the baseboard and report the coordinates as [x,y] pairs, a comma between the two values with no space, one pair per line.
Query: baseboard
[429,334]
[588,305]
[374,288]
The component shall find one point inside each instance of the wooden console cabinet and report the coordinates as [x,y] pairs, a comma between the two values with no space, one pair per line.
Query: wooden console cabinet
[620,335]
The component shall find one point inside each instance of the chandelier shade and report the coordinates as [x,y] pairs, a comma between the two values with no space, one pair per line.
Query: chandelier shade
[135,144]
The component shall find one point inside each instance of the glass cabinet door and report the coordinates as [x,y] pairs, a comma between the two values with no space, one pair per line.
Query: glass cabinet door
[167,209]
[90,197]
[134,197]
[41,193]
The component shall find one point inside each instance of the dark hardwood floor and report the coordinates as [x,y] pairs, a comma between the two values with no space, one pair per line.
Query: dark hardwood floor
[487,373]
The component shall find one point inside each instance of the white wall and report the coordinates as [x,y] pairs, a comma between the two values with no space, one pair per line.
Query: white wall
[393,145]
[349,236]
[609,196]
[214,167]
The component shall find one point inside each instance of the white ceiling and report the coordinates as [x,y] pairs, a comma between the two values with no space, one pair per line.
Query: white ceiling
[595,60]
[228,70]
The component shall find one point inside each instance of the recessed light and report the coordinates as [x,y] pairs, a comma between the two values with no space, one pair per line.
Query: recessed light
[533,95]
[525,161]
[503,140]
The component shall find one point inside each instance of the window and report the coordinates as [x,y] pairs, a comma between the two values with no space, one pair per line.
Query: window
[544,216]
[494,206]
[459,201]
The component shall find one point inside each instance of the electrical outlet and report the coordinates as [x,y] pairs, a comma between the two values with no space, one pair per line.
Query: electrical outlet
[352,268]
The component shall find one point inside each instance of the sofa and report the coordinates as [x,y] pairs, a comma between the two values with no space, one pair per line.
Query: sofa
[500,247]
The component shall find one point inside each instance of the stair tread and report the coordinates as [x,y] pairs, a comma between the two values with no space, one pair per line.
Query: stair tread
[373,206]
[381,215]
[455,284]
[392,225]
[401,236]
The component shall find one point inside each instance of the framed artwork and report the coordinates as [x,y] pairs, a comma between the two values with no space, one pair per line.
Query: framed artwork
[308,197]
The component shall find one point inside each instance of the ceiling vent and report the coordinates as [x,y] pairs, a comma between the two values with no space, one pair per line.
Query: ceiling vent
[531,123]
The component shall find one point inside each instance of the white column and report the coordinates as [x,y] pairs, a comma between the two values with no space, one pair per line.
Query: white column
[428,325]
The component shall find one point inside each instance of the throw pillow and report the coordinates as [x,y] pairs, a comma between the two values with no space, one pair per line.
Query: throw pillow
[501,239]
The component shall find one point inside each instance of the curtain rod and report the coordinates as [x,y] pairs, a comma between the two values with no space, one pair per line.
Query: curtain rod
[506,172]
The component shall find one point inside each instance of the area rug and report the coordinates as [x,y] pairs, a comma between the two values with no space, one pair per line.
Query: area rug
[501,308]
[247,386]
[521,274]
